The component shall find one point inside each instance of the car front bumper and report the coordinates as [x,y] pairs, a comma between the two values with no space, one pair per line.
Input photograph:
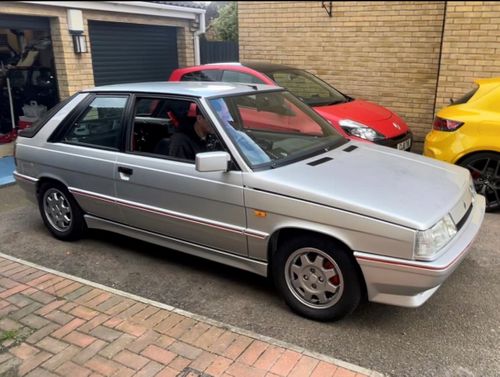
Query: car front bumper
[407,283]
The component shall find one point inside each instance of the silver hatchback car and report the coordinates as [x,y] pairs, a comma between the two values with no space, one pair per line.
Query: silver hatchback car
[249,176]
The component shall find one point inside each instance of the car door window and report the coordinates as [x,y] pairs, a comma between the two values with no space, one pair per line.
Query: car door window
[100,125]
[234,76]
[172,128]
[206,75]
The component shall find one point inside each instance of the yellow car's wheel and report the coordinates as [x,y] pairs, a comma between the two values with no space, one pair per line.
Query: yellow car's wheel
[485,170]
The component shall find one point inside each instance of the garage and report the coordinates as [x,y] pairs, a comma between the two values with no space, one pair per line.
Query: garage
[123,52]
[28,85]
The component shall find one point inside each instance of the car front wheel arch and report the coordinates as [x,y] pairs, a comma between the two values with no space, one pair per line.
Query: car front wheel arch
[288,242]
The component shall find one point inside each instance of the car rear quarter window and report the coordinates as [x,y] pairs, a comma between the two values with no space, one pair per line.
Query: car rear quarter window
[234,76]
[100,125]
[206,75]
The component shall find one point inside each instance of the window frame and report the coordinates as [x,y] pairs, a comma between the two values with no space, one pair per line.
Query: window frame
[233,71]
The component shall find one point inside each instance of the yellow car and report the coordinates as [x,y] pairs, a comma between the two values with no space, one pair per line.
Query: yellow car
[467,133]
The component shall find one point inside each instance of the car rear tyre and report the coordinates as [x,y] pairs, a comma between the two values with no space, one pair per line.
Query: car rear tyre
[60,212]
[485,170]
[317,278]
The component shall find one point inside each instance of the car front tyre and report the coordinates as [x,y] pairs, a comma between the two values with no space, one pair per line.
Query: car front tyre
[60,212]
[317,278]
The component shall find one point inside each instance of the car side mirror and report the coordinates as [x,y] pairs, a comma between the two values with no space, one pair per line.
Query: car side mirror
[212,161]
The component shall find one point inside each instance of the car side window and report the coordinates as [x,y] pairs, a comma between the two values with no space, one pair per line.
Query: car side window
[100,125]
[172,128]
[234,76]
[206,75]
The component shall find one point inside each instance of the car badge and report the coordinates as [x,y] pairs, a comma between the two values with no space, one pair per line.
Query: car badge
[396,125]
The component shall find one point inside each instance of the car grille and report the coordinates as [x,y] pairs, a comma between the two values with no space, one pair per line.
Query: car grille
[462,221]
[394,141]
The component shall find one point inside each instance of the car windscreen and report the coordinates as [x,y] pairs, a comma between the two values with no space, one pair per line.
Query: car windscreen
[271,129]
[308,87]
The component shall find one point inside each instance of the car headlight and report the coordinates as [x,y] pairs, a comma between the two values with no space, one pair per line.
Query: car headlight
[360,130]
[430,241]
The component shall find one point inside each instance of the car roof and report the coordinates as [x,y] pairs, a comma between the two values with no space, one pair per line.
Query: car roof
[257,66]
[187,88]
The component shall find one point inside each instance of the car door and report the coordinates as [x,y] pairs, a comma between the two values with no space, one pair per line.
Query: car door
[168,196]
[83,153]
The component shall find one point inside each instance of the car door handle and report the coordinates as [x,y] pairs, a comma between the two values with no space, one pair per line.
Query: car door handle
[125,173]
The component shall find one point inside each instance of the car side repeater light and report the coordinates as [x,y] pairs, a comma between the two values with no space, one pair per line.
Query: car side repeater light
[259,213]
[441,124]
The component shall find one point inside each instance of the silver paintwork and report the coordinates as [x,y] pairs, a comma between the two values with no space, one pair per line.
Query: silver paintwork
[373,199]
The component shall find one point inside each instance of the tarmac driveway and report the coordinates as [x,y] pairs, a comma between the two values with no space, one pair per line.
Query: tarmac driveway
[456,333]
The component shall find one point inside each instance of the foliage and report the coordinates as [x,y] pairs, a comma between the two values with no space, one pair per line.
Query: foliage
[226,25]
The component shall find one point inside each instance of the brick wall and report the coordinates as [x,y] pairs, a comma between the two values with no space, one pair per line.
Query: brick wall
[386,52]
[74,71]
[471,47]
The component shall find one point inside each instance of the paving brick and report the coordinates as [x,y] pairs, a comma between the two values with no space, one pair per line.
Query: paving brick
[195,332]
[150,370]
[237,347]
[7,283]
[62,284]
[179,363]
[245,370]
[105,333]
[21,313]
[119,344]
[158,354]
[40,372]
[203,361]
[24,351]
[324,369]
[10,367]
[131,328]
[103,366]
[34,321]
[168,372]
[124,371]
[68,289]
[67,328]
[79,339]
[42,297]
[34,361]
[120,307]
[59,359]
[49,284]
[36,274]
[169,322]
[156,318]
[7,324]
[218,366]
[304,367]
[144,314]
[109,303]
[93,323]
[71,369]
[253,352]
[12,291]
[42,333]
[286,362]
[15,270]
[143,341]
[50,307]
[40,280]
[164,341]
[131,360]
[7,310]
[86,354]
[78,293]
[98,300]
[342,372]
[132,310]
[69,306]
[88,296]
[113,322]
[268,358]
[223,342]
[52,345]
[23,274]
[179,329]
[209,338]
[84,312]
[59,317]
[185,350]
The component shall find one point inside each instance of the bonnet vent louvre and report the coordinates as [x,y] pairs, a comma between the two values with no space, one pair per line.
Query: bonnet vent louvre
[320,161]
[350,148]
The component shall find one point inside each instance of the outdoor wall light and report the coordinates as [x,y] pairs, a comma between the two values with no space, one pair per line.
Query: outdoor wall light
[79,43]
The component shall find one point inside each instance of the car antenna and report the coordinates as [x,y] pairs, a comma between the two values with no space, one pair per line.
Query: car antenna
[254,87]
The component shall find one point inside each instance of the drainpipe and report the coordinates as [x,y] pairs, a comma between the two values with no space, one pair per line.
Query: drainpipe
[197,33]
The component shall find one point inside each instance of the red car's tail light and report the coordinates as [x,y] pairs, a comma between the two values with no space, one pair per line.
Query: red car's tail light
[441,124]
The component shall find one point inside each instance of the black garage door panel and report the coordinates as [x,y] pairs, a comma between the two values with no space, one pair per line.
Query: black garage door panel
[132,53]
[11,21]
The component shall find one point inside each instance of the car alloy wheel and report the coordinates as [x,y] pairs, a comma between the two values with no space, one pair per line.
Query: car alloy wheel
[57,209]
[485,171]
[314,278]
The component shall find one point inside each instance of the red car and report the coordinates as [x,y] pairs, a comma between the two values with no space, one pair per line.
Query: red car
[355,119]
